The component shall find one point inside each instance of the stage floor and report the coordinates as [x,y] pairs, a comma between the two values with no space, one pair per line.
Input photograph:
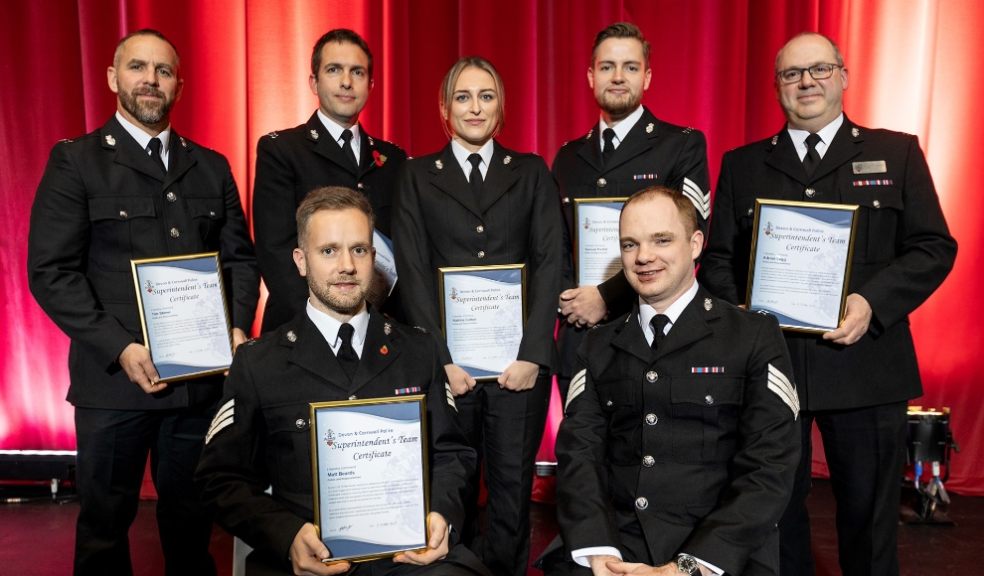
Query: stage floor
[36,539]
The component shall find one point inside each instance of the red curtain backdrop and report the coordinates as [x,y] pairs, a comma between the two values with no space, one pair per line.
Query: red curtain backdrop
[914,66]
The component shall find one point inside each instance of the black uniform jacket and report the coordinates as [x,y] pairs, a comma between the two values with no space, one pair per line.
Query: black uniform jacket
[289,164]
[103,201]
[437,223]
[902,252]
[261,435]
[653,153]
[697,443]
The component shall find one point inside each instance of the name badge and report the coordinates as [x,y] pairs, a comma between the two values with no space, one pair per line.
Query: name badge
[871,167]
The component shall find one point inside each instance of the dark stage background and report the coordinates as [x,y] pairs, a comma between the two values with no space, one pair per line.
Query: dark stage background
[914,66]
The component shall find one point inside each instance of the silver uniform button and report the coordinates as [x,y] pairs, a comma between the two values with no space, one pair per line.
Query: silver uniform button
[123,214]
[810,192]
[211,213]
[876,204]
[651,419]
[299,423]
[608,403]
[481,254]
[708,399]
[171,197]
[652,376]
[648,461]
[353,397]
[751,211]
[360,186]
[175,233]
[479,228]
[602,182]
[641,503]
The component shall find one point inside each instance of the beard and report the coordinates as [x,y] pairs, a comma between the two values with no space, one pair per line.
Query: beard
[146,112]
[345,304]
[619,107]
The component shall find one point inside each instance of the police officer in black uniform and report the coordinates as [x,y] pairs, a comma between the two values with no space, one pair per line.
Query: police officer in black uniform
[854,381]
[135,189]
[338,348]
[680,440]
[331,149]
[628,150]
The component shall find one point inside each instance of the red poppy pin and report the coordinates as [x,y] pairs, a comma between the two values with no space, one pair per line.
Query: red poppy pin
[378,158]
[384,350]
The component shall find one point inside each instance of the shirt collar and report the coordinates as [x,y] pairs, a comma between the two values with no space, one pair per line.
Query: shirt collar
[142,137]
[335,129]
[461,154]
[673,311]
[328,326]
[622,128]
[826,134]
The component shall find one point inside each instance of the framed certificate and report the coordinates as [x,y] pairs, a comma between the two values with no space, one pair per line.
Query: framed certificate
[483,311]
[800,263]
[183,315]
[597,253]
[369,461]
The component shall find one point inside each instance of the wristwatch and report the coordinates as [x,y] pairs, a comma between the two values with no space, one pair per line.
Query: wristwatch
[687,564]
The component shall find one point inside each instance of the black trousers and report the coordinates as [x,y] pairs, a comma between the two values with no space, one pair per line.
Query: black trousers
[865,451]
[112,452]
[506,428]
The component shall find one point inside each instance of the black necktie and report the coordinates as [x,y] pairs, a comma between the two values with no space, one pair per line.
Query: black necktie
[475,178]
[609,147]
[346,354]
[658,323]
[812,158]
[347,147]
[155,154]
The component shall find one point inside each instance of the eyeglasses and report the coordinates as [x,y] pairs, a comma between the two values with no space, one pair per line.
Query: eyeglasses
[817,72]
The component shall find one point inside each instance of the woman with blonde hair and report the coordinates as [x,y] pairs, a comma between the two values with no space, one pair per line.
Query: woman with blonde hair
[477,203]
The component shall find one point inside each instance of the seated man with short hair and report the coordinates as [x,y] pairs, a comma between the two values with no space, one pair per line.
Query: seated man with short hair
[338,348]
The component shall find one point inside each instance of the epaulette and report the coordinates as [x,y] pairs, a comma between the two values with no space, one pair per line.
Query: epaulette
[274,135]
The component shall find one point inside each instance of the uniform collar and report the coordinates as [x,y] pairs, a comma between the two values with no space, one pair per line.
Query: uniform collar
[673,311]
[621,129]
[335,129]
[461,154]
[143,138]
[826,134]
[328,326]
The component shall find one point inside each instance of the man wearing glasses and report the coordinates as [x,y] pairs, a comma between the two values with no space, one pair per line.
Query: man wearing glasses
[854,381]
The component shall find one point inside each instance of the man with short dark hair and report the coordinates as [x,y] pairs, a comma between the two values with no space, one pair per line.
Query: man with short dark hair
[135,189]
[261,434]
[679,442]
[854,381]
[331,149]
[627,150]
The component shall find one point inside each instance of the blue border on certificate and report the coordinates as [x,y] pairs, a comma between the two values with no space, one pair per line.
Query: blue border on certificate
[324,418]
[508,275]
[208,263]
[817,238]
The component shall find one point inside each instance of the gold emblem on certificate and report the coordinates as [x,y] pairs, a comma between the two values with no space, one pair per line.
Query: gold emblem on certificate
[183,314]
[800,263]
[369,461]
[597,254]
[483,310]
